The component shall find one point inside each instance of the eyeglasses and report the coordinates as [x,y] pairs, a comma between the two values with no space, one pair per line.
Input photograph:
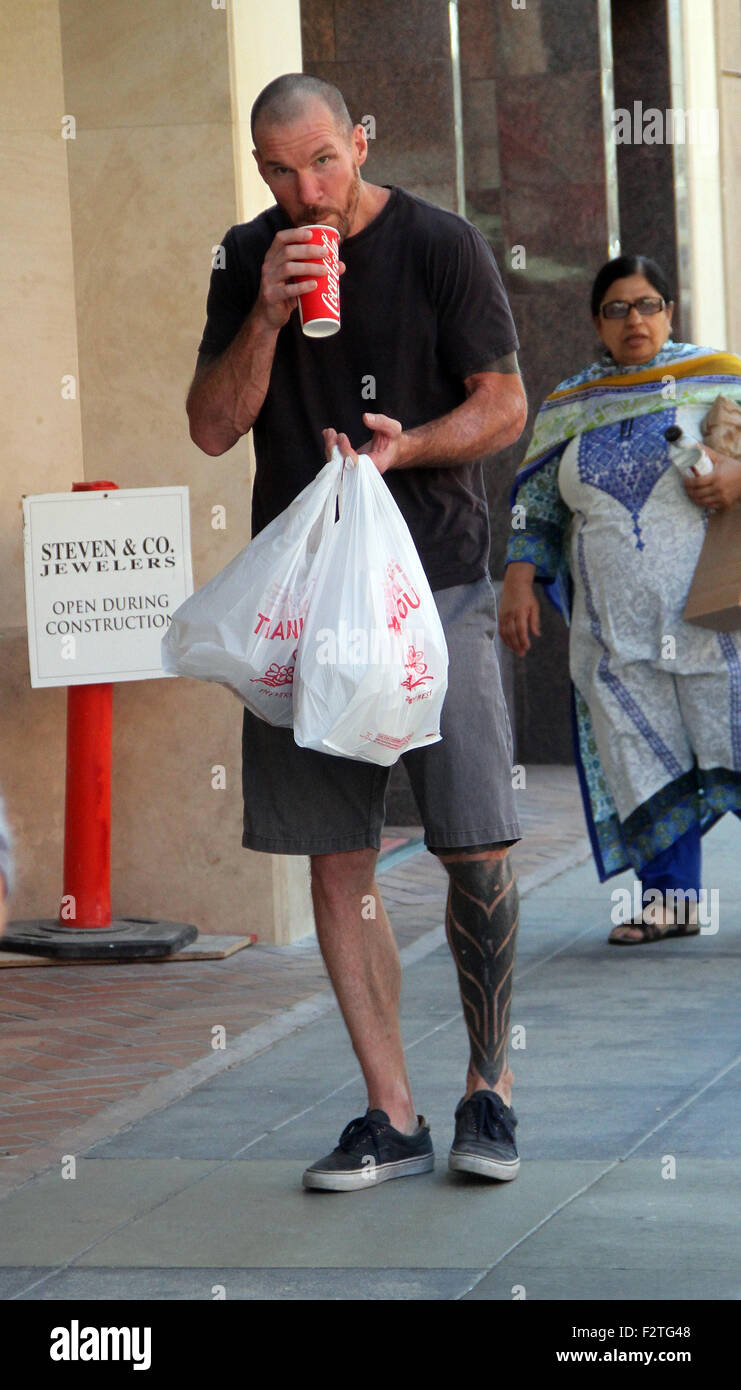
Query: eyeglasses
[620,308]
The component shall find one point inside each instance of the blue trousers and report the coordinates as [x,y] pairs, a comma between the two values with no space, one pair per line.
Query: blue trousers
[677,867]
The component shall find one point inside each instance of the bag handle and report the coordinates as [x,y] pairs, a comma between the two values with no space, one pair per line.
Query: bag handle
[346,463]
[331,505]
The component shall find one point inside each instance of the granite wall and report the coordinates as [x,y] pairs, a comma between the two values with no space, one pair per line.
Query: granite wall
[645,171]
[534,184]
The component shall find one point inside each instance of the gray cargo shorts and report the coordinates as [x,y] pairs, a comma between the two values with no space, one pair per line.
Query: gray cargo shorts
[297,801]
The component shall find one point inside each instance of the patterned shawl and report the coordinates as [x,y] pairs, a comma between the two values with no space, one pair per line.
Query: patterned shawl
[604,394]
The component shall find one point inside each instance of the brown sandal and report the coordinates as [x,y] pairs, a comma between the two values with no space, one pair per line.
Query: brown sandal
[651,932]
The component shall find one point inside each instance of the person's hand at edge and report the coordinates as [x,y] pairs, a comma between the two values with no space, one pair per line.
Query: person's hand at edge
[384,447]
[717,490]
[519,609]
[331,439]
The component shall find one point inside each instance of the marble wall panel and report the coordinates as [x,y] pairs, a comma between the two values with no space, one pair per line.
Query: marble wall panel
[543,692]
[42,446]
[32,759]
[546,37]
[477,27]
[405,35]
[263,43]
[556,334]
[550,199]
[143,262]
[550,130]
[42,443]
[143,64]
[645,172]
[41,428]
[31,86]
[557,339]
[175,843]
[413,144]
[730,93]
[481,148]
[317,32]
[728,35]
[391,62]
[555,244]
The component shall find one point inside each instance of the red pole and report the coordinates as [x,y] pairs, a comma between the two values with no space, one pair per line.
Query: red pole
[87,813]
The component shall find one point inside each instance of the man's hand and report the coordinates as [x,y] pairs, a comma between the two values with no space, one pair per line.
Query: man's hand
[291,267]
[227,392]
[384,448]
[490,418]
[719,489]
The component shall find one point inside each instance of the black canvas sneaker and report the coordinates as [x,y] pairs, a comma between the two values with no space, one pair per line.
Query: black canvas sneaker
[485,1138]
[370,1151]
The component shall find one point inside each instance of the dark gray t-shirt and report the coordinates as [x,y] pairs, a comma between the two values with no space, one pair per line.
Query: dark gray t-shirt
[423,307]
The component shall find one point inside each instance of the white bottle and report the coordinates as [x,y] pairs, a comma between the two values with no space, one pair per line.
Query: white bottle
[686,454]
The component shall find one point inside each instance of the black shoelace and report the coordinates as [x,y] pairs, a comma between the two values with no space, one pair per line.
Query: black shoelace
[489,1119]
[357,1130]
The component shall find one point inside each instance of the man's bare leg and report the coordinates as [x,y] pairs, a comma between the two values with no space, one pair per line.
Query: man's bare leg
[360,954]
[481,922]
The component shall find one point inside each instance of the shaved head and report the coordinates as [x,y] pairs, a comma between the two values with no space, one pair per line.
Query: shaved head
[286,98]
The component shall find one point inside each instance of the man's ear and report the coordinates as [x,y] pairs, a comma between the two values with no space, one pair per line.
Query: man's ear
[360,143]
[260,165]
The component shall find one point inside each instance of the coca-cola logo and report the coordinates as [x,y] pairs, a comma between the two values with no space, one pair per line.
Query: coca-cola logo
[331,297]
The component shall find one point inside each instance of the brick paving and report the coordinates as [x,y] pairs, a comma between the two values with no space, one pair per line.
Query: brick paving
[76,1039]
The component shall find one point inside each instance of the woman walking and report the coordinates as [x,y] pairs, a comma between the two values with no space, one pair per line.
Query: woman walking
[607,523]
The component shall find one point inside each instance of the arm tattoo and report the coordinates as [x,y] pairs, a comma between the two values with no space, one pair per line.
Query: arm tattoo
[481,924]
[506,365]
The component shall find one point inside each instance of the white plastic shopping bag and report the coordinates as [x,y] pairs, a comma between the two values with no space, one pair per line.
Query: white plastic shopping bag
[372,666]
[242,628]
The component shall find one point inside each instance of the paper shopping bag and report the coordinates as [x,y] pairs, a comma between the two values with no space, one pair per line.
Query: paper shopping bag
[714,599]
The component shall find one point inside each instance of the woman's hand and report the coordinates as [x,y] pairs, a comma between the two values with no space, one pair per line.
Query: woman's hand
[719,489]
[519,610]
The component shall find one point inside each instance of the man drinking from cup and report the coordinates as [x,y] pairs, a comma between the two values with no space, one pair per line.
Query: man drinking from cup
[426,334]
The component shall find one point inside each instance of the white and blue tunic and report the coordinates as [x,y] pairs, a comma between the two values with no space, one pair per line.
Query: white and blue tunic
[657,701]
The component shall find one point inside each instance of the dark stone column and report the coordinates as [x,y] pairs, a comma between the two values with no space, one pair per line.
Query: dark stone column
[535,179]
[391,61]
[640,43]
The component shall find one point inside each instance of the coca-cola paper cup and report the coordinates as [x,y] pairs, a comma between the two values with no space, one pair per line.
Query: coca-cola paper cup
[320,308]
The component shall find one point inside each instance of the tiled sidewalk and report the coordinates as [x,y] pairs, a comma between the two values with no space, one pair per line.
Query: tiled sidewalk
[76,1041]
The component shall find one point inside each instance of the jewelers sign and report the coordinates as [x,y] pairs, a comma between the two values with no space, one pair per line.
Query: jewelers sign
[105,570]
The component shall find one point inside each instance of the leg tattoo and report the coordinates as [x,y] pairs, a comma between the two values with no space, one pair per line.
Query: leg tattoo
[481,923]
